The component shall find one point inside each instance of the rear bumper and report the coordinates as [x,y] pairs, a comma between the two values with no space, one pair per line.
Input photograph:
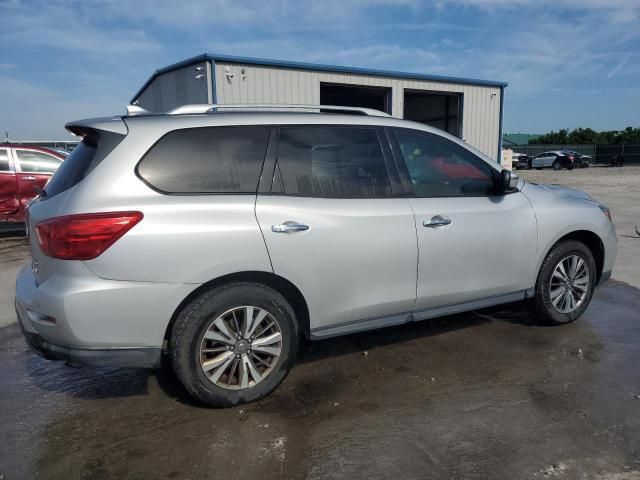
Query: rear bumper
[145,357]
[78,317]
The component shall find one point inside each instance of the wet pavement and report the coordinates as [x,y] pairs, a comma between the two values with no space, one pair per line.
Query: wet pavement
[486,394]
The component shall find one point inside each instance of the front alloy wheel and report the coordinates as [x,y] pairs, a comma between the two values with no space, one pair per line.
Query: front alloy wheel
[565,283]
[569,284]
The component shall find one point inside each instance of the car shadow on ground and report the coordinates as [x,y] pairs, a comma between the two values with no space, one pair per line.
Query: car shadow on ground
[100,383]
[318,351]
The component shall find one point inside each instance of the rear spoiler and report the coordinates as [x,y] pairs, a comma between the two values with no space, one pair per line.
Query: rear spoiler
[93,126]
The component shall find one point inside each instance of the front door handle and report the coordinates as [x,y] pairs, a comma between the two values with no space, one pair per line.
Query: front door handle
[29,178]
[289,227]
[437,221]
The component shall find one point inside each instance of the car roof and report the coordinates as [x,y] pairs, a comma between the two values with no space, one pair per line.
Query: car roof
[166,122]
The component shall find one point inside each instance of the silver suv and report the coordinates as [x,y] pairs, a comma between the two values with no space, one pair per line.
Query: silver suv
[220,236]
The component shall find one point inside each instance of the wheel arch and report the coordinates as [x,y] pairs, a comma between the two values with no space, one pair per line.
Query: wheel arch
[280,284]
[593,243]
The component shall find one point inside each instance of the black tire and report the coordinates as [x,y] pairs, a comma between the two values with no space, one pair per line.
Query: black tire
[546,312]
[556,165]
[196,317]
[538,168]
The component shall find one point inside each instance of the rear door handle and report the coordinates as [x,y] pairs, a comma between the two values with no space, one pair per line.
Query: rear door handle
[289,227]
[437,221]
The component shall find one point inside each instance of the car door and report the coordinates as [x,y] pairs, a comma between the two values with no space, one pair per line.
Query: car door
[8,185]
[338,229]
[472,244]
[539,160]
[34,168]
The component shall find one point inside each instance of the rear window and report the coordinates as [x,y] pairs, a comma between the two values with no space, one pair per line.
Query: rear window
[206,160]
[84,158]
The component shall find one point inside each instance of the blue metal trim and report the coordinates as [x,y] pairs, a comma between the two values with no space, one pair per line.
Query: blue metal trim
[214,96]
[500,129]
[320,68]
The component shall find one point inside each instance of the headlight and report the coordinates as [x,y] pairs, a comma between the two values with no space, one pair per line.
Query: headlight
[605,210]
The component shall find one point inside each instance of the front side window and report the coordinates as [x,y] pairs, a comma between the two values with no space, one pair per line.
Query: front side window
[440,168]
[332,162]
[32,161]
[206,160]
[4,160]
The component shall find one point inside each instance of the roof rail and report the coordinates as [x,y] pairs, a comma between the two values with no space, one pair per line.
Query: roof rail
[133,110]
[283,106]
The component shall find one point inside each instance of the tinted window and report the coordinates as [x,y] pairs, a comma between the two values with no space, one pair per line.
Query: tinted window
[4,160]
[207,160]
[84,158]
[332,162]
[440,168]
[32,161]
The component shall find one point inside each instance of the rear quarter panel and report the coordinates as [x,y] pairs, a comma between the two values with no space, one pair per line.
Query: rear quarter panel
[182,238]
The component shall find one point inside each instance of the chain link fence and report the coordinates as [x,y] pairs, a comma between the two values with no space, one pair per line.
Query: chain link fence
[600,154]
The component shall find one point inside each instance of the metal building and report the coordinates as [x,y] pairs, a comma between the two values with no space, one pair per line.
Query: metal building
[468,108]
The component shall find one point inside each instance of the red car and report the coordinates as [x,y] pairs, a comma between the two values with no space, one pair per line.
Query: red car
[22,171]
[454,168]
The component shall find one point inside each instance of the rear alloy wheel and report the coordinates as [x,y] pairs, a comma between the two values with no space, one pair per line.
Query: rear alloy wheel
[234,344]
[565,283]
[240,348]
[556,165]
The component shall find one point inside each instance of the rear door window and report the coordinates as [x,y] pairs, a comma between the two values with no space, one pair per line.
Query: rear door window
[206,160]
[4,160]
[332,162]
[32,161]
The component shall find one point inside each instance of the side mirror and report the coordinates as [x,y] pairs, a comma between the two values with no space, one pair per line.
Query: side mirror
[508,181]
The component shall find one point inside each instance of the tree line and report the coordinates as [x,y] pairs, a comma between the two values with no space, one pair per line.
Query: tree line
[587,135]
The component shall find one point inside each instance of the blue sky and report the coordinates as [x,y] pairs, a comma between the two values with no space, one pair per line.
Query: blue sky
[569,63]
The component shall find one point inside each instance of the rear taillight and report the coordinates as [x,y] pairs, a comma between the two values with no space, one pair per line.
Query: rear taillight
[83,236]
[570,158]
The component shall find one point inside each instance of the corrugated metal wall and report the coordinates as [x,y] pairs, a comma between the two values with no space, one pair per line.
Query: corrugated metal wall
[186,85]
[263,84]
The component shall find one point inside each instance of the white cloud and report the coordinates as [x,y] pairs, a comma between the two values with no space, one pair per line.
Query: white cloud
[61,25]
[33,111]
[619,10]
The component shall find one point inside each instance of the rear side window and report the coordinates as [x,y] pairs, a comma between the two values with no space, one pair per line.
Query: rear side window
[206,160]
[332,162]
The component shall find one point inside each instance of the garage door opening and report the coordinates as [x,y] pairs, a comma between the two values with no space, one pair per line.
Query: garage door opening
[378,98]
[439,110]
